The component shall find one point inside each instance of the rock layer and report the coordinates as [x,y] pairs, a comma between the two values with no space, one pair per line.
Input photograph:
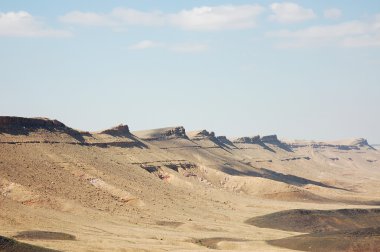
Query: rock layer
[248,140]
[119,130]
[12,122]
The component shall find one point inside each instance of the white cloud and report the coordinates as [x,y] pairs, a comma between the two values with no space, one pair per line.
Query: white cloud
[324,32]
[145,44]
[290,13]
[348,34]
[23,24]
[332,13]
[189,48]
[178,48]
[217,17]
[126,16]
[87,18]
[117,17]
[198,19]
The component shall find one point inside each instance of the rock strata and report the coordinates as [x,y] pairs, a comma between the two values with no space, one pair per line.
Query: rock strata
[119,130]
[202,134]
[24,126]
[12,122]
[248,140]
[175,132]
[271,139]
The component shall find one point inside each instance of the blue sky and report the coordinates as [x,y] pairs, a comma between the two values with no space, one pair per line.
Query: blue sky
[300,69]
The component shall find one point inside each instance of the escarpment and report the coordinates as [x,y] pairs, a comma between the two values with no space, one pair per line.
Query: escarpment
[34,128]
[120,130]
[162,133]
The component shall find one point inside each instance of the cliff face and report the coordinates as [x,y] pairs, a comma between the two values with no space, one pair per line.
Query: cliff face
[205,136]
[11,122]
[265,141]
[201,134]
[120,130]
[352,144]
[248,140]
[162,133]
[43,130]
[271,139]
[25,126]
[175,132]
[360,142]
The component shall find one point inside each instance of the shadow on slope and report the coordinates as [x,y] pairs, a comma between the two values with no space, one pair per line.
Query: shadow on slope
[330,230]
[300,220]
[358,240]
[24,126]
[276,176]
[272,139]
[253,140]
[226,142]
[10,245]
[44,235]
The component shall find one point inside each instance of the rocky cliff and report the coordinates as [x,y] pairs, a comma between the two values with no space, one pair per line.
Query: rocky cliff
[120,130]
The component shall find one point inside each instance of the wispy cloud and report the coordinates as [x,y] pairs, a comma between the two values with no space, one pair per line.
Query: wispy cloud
[357,33]
[124,16]
[145,44]
[88,18]
[118,18]
[189,48]
[23,24]
[206,18]
[332,13]
[179,47]
[217,17]
[290,13]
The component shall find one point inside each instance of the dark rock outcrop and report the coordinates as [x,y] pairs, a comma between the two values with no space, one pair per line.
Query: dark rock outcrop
[14,123]
[271,139]
[220,141]
[162,133]
[179,132]
[355,144]
[24,126]
[202,134]
[362,142]
[224,140]
[264,142]
[253,140]
[120,130]
[248,140]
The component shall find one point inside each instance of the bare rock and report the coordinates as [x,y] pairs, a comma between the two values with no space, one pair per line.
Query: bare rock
[23,126]
[12,122]
[120,130]
[271,139]
[248,140]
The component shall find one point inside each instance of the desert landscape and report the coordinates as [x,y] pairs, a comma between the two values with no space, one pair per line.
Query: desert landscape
[187,126]
[167,189]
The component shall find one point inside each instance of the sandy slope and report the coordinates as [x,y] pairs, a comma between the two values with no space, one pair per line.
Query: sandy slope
[165,190]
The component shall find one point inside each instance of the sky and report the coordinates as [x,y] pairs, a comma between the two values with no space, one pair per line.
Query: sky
[299,69]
